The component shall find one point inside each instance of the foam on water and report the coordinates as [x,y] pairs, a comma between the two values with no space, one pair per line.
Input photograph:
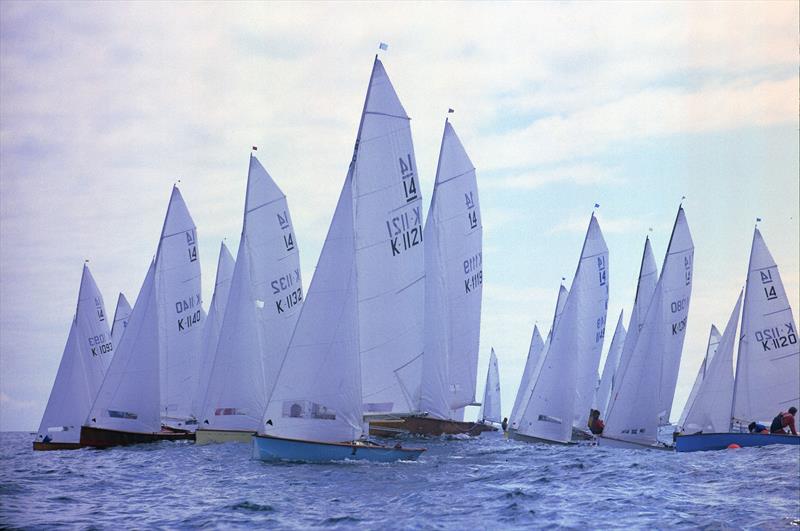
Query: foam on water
[457,484]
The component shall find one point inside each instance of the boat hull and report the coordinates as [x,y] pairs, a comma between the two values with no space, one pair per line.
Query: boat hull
[268,448]
[103,438]
[517,436]
[47,446]
[222,436]
[702,442]
[611,442]
[425,426]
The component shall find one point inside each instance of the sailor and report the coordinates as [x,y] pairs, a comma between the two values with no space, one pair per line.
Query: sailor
[596,425]
[755,427]
[784,420]
[504,424]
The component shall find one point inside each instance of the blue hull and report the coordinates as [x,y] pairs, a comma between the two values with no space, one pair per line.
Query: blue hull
[269,448]
[719,441]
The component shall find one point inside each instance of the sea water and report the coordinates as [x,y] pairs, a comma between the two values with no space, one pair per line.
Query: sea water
[486,482]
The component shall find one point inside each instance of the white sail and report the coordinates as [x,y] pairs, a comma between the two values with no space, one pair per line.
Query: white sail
[121,316]
[128,399]
[317,395]
[387,210]
[216,312]
[768,366]
[561,300]
[645,379]
[266,295]
[82,367]
[534,353]
[490,407]
[610,367]
[556,394]
[713,341]
[453,283]
[180,312]
[710,410]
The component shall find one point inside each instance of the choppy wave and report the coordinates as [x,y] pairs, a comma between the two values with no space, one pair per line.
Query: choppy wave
[483,482]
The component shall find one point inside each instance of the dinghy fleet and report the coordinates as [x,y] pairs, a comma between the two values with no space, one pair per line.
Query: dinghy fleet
[385,340]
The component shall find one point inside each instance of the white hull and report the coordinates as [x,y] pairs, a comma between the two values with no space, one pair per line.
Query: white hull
[608,442]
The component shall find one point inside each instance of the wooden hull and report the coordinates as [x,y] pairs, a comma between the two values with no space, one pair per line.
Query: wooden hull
[702,442]
[46,446]
[425,426]
[103,438]
[517,436]
[611,442]
[268,448]
[222,436]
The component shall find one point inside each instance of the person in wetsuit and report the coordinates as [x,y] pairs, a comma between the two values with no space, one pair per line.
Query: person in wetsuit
[504,424]
[784,420]
[755,427]
[596,425]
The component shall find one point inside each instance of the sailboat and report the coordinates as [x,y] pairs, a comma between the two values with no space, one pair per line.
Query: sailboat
[647,372]
[156,347]
[767,378]
[534,364]
[121,316]
[606,384]
[490,407]
[714,338]
[453,290]
[266,295]
[83,364]
[534,353]
[216,311]
[573,355]
[316,407]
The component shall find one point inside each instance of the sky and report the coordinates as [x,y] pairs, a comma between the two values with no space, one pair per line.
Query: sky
[104,106]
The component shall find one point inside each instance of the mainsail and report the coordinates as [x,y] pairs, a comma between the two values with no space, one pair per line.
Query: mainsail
[713,341]
[606,385]
[387,213]
[216,312]
[180,312]
[265,298]
[569,367]
[710,410]
[453,283]
[768,366]
[646,380]
[121,316]
[83,364]
[490,407]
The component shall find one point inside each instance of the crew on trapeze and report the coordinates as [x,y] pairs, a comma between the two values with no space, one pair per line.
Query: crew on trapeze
[596,425]
[784,420]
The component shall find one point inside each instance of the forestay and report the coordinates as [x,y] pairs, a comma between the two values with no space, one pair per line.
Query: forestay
[121,316]
[180,313]
[453,283]
[710,411]
[128,399]
[646,380]
[606,385]
[490,407]
[713,341]
[216,312]
[265,298]
[387,211]
[768,366]
[551,409]
[83,364]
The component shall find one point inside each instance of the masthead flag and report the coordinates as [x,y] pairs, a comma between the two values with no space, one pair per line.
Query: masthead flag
[383,46]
